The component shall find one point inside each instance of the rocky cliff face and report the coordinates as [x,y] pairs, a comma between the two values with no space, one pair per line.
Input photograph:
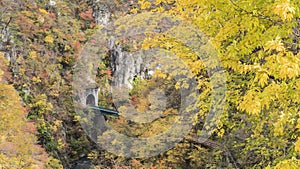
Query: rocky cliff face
[125,65]
[101,12]
[6,43]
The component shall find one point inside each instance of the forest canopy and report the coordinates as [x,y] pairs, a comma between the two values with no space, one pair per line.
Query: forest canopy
[257,48]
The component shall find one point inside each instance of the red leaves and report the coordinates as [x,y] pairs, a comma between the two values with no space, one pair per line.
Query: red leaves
[76,46]
[106,73]
[81,37]
[87,15]
[30,128]
[93,25]
[46,27]
[134,100]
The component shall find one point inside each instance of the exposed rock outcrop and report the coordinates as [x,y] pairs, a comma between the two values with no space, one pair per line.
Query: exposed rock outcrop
[125,65]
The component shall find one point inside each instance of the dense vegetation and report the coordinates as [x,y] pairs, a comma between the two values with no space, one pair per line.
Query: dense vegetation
[257,43]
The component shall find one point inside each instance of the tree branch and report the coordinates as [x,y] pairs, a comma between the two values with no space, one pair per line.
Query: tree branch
[212,144]
[258,15]
[7,23]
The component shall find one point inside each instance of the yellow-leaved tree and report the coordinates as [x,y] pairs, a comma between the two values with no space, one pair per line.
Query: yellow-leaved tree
[258,45]
[18,143]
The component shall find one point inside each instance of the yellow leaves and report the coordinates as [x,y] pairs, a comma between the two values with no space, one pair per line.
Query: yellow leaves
[297,145]
[262,78]
[149,43]
[2,138]
[33,54]
[3,60]
[59,33]
[292,163]
[16,138]
[157,5]
[56,125]
[282,121]
[268,167]
[160,74]
[3,66]
[157,2]
[279,127]
[275,44]
[298,127]
[41,105]
[181,84]
[170,1]
[92,155]
[53,163]
[76,118]
[289,70]
[41,19]
[283,66]
[159,9]
[269,94]
[221,133]
[167,45]
[285,11]
[28,14]
[243,40]
[1,73]
[144,4]
[36,80]
[296,96]
[60,144]
[49,39]
[251,103]
[134,10]
[177,86]
[43,11]
[67,48]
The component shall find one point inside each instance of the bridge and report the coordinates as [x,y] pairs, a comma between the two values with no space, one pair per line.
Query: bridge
[89,99]
[104,111]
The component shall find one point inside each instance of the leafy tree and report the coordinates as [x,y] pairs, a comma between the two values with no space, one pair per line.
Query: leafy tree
[18,148]
[257,43]
[45,42]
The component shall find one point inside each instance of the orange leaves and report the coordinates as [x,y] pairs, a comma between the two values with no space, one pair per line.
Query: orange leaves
[76,45]
[87,15]
[17,137]
[106,73]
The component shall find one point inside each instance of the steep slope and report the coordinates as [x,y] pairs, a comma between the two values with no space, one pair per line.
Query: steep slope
[18,143]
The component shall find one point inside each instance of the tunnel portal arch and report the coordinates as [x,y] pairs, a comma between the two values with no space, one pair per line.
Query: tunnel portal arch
[90,100]
[91,96]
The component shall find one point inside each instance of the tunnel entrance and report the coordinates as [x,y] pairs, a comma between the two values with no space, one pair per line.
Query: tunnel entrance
[90,100]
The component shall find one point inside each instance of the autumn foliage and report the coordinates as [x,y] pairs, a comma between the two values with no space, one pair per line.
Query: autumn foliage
[258,47]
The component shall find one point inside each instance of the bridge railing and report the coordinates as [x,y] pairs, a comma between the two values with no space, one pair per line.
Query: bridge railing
[105,111]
